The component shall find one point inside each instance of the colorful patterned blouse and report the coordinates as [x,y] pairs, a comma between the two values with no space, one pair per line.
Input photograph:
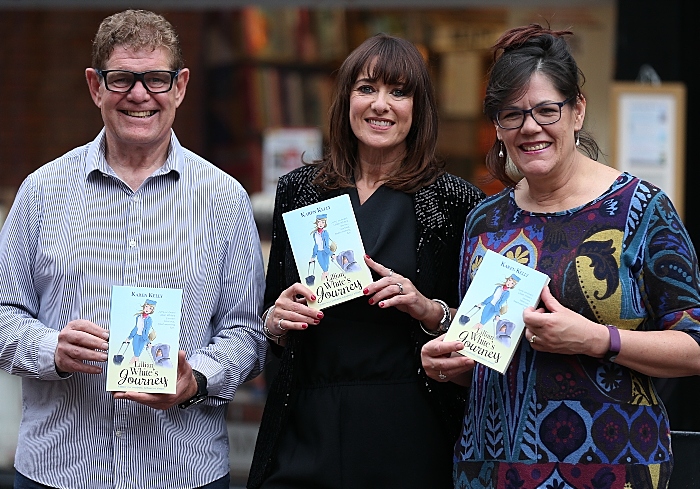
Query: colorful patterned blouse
[572,421]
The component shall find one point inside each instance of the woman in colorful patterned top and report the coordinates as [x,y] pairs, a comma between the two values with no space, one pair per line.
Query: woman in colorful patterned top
[577,407]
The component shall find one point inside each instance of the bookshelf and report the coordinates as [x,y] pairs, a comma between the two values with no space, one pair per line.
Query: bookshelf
[267,68]
[274,68]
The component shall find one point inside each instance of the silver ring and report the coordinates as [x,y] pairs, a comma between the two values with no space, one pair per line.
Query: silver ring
[441,375]
[279,325]
[391,272]
[533,338]
[400,287]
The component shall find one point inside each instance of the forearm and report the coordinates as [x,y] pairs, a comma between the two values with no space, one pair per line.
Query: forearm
[659,353]
[667,353]
[233,349]
[27,347]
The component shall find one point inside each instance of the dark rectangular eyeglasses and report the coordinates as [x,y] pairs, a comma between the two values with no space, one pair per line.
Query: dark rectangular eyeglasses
[543,114]
[155,81]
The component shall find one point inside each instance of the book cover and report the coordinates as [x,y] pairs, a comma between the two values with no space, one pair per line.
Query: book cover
[144,339]
[489,321]
[328,250]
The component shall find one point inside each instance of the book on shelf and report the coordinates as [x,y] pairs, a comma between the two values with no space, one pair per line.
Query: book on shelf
[328,251]
[489,321]
[330,33]
[144,339]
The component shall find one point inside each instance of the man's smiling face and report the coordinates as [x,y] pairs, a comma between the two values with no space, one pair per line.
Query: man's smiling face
[137,119]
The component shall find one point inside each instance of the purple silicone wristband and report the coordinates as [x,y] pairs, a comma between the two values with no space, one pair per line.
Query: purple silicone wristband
[614,348]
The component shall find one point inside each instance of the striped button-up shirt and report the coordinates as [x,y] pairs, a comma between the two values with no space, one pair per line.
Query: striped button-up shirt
[75,230]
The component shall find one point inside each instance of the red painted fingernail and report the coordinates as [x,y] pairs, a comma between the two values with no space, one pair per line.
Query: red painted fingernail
[371,301]
[366,291]
[367,256]
[304,326]
[313,297]
[381,304]
[319,315]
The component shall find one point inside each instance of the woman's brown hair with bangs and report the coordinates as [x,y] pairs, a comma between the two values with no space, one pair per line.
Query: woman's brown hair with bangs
[393,61]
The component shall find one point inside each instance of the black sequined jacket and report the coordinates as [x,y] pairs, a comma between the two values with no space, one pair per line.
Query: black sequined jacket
[441,210]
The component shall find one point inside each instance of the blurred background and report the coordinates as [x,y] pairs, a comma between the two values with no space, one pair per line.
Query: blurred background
[261,83]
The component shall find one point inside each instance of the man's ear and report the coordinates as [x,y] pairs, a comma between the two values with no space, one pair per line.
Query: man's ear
[181,85]
[94,82]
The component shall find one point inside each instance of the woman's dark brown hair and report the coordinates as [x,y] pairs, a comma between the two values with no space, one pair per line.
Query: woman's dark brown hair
[518,54]
[391,60]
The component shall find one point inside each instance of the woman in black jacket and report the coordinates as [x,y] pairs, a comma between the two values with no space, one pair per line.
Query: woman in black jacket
[351,406]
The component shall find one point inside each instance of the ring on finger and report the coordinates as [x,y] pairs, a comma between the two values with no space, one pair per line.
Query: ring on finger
[279,325]
[391,272]
[441,375]
[400,287]
[533,338]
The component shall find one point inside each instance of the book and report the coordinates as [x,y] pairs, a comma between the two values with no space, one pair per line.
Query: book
[489,321]
[144,339]
[328,250]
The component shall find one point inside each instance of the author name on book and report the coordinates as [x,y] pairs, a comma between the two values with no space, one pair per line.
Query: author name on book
[522,271]
[317,210]
[149,295]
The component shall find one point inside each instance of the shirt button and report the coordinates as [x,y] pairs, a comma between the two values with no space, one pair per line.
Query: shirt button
[132,243]
[118,433]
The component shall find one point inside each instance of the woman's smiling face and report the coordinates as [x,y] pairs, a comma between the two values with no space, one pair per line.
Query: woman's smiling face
[380,115]
[535,149]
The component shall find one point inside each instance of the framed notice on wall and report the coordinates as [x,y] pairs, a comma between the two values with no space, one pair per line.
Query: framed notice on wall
[648,126]
[283,150]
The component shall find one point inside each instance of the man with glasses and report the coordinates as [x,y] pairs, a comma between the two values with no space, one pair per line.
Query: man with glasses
[133,207]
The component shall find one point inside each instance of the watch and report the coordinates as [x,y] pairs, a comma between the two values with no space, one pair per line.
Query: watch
[444,322]
[446,317]
[201,393]
[614,348]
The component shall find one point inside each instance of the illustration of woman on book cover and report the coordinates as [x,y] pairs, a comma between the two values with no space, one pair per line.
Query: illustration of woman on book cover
[142,328]
[496,303]
[322,244]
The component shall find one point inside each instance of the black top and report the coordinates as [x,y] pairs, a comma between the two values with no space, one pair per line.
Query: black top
[358,391]
[350,406]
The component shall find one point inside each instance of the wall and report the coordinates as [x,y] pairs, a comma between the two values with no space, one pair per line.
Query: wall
[47,109]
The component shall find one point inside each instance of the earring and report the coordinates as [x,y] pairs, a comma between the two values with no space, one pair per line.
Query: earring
[500,153]
[578,140]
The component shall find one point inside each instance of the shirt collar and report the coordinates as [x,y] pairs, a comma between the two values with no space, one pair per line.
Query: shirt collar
[96,160]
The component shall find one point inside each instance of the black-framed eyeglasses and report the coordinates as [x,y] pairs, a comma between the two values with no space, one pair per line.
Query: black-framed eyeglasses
[155,81]
[543,114]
